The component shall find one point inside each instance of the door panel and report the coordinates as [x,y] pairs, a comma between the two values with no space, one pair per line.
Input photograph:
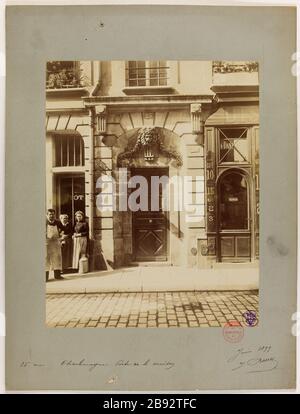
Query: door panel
[243,246]
[227,246]
[150,241]
[234,218]
[235,248]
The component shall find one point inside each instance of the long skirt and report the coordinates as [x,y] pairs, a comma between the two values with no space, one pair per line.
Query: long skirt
[67,253]
[79,249]
[53,255]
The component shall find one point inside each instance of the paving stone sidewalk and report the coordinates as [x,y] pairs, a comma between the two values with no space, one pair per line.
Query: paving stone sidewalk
[149,309]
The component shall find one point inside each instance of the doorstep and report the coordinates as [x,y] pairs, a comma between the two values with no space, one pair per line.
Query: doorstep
[157,279]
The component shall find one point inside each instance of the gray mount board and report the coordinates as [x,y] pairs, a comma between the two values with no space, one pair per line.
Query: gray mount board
[35,34]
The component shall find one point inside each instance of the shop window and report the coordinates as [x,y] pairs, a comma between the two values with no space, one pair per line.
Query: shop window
[70,194]
[147,73]
[63,74]
[233,145]
[69,150]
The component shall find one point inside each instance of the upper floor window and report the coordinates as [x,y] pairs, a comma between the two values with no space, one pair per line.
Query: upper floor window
[63,74]
[147,73]
[69,150]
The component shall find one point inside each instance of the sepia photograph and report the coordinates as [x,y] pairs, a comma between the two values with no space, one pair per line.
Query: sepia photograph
[162,197]
[152,194]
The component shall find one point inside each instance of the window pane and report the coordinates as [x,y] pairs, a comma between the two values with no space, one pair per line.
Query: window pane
[153,81]
[234,145]
[141,82]
[153,73]
[66,196]
[71,151]
[64,152]
[132,64]
[132,82]
[82,151]
[141,73]
[241,150]
[58,151]
[163,81]
[77,151]
[146,73]
[133,74]
[78,194]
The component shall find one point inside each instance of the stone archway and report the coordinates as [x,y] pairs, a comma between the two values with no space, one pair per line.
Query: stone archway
[137,149]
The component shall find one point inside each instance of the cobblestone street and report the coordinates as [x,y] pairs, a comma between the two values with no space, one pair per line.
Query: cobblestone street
[149,309]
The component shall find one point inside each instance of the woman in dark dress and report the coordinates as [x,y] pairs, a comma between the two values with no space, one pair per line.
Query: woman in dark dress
[66,241]
[80,238]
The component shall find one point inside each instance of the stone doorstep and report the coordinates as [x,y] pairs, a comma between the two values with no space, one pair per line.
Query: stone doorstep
[100,282]
[75,290]
[151,264]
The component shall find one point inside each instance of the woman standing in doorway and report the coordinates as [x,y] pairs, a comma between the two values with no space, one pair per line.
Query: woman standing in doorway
[66,243]
[80,236]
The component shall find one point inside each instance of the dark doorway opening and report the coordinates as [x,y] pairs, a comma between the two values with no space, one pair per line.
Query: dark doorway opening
[150,233]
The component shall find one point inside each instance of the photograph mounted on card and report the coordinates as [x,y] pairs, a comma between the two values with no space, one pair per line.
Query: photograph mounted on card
[159,179]
[155,181]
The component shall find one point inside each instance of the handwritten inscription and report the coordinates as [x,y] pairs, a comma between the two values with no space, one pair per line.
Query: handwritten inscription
[91,365]
[31,364]
[253,360]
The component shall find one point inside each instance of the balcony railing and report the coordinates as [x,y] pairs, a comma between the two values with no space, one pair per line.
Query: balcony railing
[63,75]
[222,66]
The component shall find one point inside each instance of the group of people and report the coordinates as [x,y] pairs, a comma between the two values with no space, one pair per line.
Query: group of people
[65,243]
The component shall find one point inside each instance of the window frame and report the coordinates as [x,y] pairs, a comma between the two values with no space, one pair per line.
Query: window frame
[58,141]
[248,139]
[147,67]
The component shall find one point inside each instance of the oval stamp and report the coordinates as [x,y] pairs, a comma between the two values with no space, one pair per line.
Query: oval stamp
[233,331]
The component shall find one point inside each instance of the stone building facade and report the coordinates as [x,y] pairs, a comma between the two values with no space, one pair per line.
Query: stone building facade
[193,119]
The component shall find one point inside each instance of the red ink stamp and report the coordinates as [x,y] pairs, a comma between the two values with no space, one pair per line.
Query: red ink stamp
[233,331]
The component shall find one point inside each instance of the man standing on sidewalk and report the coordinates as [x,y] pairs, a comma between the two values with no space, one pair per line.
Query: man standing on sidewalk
[53,247]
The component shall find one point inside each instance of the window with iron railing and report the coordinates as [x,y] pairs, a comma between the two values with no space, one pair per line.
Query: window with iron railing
[147,73]
[69,151]
[63,74]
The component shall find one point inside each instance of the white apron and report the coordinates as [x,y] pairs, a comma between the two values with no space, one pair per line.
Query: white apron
[53,249]
[79,249]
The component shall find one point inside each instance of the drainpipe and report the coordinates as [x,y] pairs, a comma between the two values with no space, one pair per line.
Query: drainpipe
[98,85]
[92,149]
[92,166]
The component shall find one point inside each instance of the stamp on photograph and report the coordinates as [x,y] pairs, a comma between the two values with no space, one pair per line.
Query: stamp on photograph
[233,331]
[250,318]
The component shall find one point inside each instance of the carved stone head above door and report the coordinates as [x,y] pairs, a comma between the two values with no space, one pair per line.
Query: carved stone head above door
[149,147]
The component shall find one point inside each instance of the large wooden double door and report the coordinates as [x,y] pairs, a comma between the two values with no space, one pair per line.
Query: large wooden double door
[150,233]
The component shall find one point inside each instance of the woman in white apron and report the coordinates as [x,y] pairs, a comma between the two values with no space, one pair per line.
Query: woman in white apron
[80,237]
[53,246]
